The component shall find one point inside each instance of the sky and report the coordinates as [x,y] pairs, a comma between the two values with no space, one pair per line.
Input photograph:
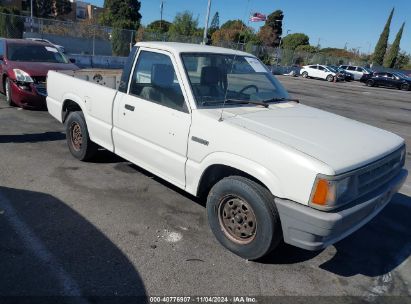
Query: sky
[355,23]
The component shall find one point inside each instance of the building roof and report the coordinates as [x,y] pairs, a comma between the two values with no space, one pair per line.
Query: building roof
[177,47]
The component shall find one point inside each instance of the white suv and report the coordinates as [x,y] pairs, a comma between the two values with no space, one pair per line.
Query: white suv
[318,71]
[357,71]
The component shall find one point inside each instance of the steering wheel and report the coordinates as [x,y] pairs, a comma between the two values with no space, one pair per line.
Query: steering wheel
[249,87]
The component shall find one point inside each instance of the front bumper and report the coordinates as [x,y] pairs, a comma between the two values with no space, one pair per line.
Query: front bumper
[313,229]
[32,97]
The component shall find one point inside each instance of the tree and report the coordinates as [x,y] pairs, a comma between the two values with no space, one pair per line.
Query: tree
[62,7]
[381,47]
[270,33]
[124,16]
[392,55]
[292,41]
[43,8]
[215,22]
[233,31]
[307,49]
[159,26]
[11,24]
[403,60]
[231,24]
[184,24]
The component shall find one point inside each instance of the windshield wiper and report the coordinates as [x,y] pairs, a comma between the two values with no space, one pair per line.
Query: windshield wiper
[276,99]
[264,103]
[234,101]
[239,101]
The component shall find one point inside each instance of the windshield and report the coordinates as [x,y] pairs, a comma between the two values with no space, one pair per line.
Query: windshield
[35,53]
[333,69]
[401,75]
[215,78]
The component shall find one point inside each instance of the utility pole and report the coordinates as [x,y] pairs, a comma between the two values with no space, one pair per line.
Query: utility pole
[31,15]
[206,25]
[31,9]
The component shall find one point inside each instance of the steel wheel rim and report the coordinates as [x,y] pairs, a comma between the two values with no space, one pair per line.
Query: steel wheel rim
[237,219]
[76,136]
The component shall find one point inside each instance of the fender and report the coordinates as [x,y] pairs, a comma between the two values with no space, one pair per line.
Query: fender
[76,99]
[195,171]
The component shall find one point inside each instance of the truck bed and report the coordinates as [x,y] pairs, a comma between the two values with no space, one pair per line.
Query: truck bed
[93,90]
[105,77]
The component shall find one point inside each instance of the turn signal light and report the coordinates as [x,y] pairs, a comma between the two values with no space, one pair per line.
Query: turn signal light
[321,192]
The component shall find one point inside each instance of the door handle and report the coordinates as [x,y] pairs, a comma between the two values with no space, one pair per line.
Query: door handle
[129,107]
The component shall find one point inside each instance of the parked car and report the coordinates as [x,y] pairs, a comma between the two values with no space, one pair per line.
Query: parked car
[342,74]
[59,47]
[23,66]
[391,80]
[357,71]
[216,123]
[318,71]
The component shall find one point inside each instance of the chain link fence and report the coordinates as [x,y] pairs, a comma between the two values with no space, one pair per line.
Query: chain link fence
[84,37]
[88,38]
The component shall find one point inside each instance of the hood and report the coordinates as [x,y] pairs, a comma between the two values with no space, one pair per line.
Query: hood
[40,68]
[339,142]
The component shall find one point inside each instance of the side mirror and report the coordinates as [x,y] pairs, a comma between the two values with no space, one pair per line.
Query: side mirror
[72,60]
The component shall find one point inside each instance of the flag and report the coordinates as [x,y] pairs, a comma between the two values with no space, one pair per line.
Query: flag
[258,17]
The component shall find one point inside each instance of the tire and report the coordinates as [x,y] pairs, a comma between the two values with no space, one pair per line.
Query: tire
[78,139]
[233,199]
[304,74]
[330,78]
[370,83]
[7,92]
[405,87]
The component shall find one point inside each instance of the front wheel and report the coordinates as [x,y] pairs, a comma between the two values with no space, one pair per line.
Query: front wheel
[78,139]
[243,217]
[7,91]
[304,74]
[370,83]
[330,78]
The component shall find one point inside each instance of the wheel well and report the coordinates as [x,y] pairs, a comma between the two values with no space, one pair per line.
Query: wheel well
[69,106]
[215,173]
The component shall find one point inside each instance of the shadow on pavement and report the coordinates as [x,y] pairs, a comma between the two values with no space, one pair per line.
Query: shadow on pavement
[32,138]
[379,247]
[48,249]
[287,254]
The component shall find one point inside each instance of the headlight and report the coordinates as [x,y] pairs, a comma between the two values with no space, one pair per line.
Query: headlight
[22,76]
[330,192]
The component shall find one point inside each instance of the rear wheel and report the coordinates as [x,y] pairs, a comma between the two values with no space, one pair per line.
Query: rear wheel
[330,78]
[78,140]
[304,74]
[243,217]
[405,87]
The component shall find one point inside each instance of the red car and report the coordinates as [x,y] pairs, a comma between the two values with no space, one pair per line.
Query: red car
[24,65]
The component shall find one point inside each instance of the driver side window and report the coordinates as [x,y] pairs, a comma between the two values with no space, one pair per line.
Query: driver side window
[154,79]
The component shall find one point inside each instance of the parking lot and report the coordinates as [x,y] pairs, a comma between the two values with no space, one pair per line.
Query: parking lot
[109,228]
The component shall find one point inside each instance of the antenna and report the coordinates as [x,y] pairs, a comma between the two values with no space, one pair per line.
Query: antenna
[232,63]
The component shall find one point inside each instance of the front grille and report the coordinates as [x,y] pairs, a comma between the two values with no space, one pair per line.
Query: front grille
[380,172]
[41,89]
[39,79]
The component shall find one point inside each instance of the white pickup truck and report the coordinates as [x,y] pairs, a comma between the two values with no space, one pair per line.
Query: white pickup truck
[216,123]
